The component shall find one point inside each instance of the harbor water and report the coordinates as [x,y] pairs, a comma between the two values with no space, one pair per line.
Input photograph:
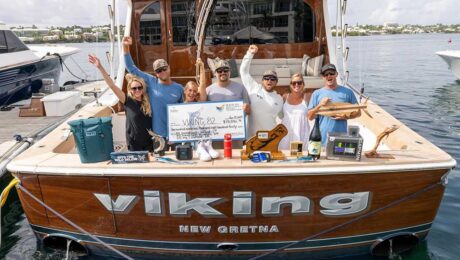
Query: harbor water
[399,72]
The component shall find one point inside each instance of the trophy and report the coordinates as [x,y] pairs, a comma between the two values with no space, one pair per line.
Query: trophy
[159,143]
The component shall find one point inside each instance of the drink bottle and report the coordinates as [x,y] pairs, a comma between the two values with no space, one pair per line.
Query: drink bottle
[228,146]
[314,142]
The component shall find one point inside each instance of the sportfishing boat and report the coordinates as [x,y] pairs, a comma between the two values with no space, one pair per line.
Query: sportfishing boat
[382,204]
[452,58]
[25,70]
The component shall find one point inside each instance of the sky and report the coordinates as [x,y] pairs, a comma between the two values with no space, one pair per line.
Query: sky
[94,12]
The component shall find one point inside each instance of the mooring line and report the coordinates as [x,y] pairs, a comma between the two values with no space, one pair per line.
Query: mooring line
[22,188]
[394,203]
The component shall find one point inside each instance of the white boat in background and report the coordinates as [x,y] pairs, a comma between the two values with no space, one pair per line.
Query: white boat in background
[25,70]
[453,60]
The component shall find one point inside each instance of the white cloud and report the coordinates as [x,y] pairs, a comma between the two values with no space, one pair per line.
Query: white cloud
[401,11]
[54,12]
[94,12]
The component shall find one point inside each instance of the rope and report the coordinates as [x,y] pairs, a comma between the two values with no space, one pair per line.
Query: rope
[22,188]
[3,198]
[6,191]
[371,213]
[76,63]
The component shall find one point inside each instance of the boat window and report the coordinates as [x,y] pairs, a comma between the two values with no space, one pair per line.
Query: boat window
[150,25]
[3,47]
[13,43]
[260,22]
[183,21]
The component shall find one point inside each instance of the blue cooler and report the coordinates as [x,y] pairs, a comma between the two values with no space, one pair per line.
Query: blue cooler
[93,137]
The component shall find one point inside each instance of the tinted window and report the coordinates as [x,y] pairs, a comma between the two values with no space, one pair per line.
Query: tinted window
[150,25]
[183,21]
[13,42]
[3,47]
[260,21]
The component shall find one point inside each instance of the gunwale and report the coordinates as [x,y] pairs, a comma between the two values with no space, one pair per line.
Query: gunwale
[411,152]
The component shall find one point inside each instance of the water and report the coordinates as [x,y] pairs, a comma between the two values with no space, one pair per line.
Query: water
[399,72]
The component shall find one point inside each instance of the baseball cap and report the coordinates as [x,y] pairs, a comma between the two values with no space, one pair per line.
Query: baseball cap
[160,63]
[328,67]
[222,64]
[270,73]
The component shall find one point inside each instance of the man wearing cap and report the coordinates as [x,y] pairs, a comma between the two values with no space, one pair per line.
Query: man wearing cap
[161,89]
[225,89]
[266,104]
[331,92]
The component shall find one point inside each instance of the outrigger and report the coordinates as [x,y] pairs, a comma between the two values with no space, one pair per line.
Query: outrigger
[326,208]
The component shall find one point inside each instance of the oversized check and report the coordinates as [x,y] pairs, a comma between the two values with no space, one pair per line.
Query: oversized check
[207,120]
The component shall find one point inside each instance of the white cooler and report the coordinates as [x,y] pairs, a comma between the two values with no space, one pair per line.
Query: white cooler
[61,103]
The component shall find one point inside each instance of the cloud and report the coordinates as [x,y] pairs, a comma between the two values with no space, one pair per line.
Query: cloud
[55,12]
[400,11]
[94,12]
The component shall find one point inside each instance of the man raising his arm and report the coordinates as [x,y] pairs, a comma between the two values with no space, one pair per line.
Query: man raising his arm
[266,104]
[161,89]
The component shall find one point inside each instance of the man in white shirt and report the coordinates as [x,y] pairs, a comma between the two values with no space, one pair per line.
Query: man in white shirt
[266,104]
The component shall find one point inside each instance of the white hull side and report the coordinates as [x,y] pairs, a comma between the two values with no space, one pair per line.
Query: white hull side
[452,58]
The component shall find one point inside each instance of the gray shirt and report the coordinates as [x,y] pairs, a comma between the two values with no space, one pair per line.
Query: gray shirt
[234,91]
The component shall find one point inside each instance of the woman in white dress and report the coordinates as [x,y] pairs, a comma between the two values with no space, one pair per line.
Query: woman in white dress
[295,114]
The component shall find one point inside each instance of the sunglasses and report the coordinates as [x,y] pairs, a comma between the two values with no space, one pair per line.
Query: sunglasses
[222,70]
[297,83]
[329,74]
[161,69]
[137,88]
[270,78]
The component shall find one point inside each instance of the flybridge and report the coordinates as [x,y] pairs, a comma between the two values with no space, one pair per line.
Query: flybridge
[180,204]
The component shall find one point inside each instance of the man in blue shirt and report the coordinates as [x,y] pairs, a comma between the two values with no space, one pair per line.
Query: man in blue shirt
[161,89]
[331,92]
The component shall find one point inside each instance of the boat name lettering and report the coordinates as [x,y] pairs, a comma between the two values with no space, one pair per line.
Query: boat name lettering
[180,204]
[206,229]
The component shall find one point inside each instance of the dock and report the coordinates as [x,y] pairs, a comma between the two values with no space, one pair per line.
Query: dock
[14,125]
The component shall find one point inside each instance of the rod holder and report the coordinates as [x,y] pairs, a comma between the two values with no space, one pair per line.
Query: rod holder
[344,6]
[110,11]
[110,33]
[347,50]
[109,56]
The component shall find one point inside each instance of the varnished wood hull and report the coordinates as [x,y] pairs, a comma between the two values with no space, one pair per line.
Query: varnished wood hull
[139,233]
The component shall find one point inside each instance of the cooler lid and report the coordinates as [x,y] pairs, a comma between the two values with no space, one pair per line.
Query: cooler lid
[58,96]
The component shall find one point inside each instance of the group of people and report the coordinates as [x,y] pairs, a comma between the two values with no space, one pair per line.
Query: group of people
[148,95]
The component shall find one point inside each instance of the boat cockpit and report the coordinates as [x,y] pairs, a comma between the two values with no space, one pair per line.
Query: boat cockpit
[291,37]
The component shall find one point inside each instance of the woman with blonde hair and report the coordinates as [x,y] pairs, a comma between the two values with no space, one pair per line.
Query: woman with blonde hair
[192,91]
[137,108]
[295,114]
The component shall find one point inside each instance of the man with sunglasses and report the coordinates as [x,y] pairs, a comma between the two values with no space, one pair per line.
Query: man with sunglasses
[161,89]
[331,92]
[225,89]
[266,104]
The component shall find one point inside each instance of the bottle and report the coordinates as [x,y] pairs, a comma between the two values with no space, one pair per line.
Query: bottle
[228,146]
[314,142]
